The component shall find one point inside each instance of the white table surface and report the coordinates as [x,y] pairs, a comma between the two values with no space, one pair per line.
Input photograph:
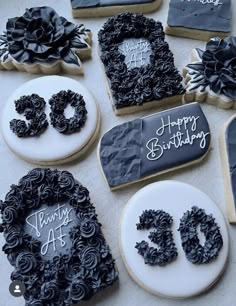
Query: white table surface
[206,176]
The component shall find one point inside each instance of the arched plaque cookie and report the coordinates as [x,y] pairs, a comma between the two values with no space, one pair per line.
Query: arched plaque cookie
[99,8]
[54,241]
[138,64]
[50,120]
[228,160]
[173,207]
[40,41]
[199,19]
[152,145]
[211,76]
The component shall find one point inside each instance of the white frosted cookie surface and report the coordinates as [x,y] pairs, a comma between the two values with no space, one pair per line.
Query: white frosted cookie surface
[181,278]
[51,145]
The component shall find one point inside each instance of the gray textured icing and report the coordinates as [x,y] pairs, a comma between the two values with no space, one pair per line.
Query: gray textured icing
[51,225]
[120,153]
[231,150]
[94,3]
[209,15]
[156,143]
[137,52]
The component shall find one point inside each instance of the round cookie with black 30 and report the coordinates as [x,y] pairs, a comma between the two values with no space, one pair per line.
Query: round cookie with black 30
[50,124]
[162,206]
[54,241]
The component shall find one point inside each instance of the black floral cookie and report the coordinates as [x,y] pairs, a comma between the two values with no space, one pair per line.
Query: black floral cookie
[138,64]
[54,240]
[211,75]
[40,41]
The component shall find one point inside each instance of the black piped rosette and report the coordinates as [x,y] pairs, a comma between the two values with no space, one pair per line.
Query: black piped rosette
[40,35]
[67,279]
[32,107]
[218,67]
[194,251]
[155,81]
[58,104]
[162,236]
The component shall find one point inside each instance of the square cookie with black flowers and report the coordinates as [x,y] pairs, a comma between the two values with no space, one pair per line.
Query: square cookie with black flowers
[138,64]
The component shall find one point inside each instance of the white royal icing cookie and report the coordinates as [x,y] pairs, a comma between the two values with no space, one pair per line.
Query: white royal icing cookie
[63,134]
[179,274]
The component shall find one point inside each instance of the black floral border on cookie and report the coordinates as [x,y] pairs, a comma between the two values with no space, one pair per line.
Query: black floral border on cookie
[67,279]
[158,80]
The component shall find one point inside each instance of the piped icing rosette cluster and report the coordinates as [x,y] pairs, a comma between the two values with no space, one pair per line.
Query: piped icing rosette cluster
[40,35]
[211,76]
[162,236]
[194,251]
[32,106]
[59,103]
[64,279]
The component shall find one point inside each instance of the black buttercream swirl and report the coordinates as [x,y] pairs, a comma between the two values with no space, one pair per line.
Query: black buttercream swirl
[217,68]
[65,279]
[155,81]
[194,251]
[58,104]
[32,107]
[26,262]
[49,290]
[79,290]
[40,35]
[162,236]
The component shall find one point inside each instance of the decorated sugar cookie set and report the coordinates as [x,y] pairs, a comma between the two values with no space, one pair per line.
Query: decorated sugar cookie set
[53,238]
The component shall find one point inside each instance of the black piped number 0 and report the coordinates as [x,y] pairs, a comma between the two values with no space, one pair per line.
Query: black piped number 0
[166,252]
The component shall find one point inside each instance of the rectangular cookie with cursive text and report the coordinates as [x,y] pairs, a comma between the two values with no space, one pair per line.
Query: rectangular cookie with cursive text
[199,19]
[159,143]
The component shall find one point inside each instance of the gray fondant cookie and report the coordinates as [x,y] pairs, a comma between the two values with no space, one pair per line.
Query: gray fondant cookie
[99,8]
[228,159]
[155,144]
[199,19]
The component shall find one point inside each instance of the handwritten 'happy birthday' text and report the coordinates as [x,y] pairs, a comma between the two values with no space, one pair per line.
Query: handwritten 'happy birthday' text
[186,134]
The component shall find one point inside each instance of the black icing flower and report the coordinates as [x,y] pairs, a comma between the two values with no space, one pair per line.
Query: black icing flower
[79,290]
[34,302]
[26,262]
[88,228]
[90,257]
[41,34]
[9,214]
[218,66]
[49,290]
[66,180]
